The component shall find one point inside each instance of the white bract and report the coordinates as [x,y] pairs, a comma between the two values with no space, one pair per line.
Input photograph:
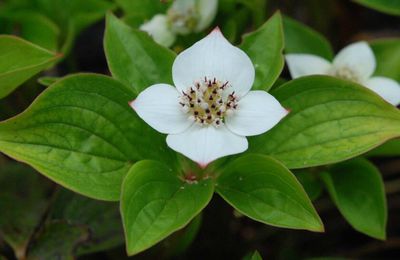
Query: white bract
[158,28]
[183,17]
[186,16]
[356,62]
[211,110]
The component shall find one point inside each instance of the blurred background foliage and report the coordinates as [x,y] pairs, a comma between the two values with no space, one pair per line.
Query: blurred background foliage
[41,220]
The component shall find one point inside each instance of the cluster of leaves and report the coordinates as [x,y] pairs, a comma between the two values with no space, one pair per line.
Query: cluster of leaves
[81,133]
[39,222]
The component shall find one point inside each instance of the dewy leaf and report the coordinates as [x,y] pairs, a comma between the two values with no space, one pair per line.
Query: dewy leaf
[330,120]
[82,134]
[102,219]
[264,190]
[387,53]
[155,203]
[386,6]
[134,58]
[264,47]
[302,39]
[57,240]
[357,189]
[27,60]
[23,201]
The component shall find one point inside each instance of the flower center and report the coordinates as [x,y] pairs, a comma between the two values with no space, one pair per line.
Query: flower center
[205,102]
[183,18]
[345,73]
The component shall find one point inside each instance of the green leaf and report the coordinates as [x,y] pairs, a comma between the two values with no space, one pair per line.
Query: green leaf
[387,53]
[264,47]
[310,182]
[388,149]
[253,256]
[79,13]
[330,120]
[300,38]
[357,189]
[73,16]
[57,240]
[35,27]
[146,9]
[82,134]
[257,8]
[102,219]
[27,60]
[386,6]
[47,81]
[155,203]
[263,189]
[23,201]
[134,58]
[176,244]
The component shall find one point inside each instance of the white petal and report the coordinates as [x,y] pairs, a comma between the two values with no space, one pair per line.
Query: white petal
[158,105]
[387,88]
[257,113]
[158,28]
[357,57]
[212,57]
[306,64]
[204,144]
[207,10]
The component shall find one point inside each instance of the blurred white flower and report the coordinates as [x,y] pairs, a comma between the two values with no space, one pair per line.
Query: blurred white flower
[187,16]
[356,62]
[183,17]
[211,110]
[158,28]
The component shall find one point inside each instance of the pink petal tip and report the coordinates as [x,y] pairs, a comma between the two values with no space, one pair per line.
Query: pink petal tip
[131,103]
[202,165]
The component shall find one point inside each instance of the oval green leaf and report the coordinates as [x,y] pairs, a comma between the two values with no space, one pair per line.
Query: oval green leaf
[82,134]
[385,6]
[146,9]
[155,203]
[35,27]
[388,149]
[356,187]
[57,240]
[387,54]
[27,60]
[134,58]
[331,120]
[300,38]
[265,190]
[264,47]
[23,203]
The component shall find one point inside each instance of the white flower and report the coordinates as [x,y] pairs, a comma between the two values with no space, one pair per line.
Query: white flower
[183,17]
[212,110]
[158,28]
[186,16]
[355,62]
